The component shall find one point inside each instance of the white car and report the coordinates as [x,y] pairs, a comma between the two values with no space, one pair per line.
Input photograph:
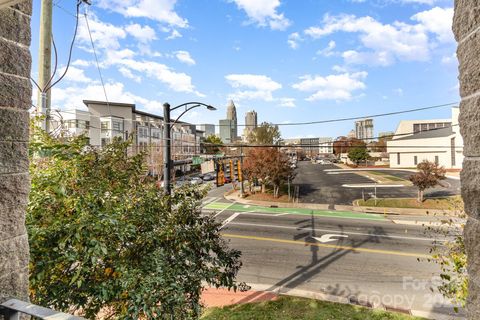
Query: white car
[196,181]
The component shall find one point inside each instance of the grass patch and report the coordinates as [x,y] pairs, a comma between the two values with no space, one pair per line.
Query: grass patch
[292,308]
[447,203]
[386,176]
[268,196]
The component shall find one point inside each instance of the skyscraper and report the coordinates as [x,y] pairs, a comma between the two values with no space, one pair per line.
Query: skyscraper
[364,130]
[232,115]
[250,122]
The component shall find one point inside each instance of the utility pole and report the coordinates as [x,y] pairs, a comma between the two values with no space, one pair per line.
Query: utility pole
[242,190]
[45,60]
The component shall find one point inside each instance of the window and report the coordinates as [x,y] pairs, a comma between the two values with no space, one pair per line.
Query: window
[431,126]
[398,157]
[436,159]
[104,125]
[415,160]
[117,125]
[424,126]
[416,128]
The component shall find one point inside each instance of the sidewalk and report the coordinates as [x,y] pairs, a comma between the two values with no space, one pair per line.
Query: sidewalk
[235,196]
[213,297]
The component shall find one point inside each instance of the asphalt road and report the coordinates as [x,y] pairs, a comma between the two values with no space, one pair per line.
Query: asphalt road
[319,186]
[345,254]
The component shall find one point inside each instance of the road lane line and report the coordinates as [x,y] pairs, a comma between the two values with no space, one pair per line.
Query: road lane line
[332,246]
[331,230]
[231,204]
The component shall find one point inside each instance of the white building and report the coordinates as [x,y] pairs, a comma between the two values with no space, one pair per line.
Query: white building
[103,122]
[364,130]
[325,145]
[436,140]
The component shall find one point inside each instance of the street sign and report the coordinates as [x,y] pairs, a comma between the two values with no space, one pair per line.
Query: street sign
[197,160]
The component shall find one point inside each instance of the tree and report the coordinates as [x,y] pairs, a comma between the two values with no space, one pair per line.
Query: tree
[280,170]
[429,174]
[269,166]
[266,134]
[343,144]
[212,144]
[357,154]
[104,237]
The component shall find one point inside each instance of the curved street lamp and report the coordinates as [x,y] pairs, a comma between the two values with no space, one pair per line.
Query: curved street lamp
[167,161]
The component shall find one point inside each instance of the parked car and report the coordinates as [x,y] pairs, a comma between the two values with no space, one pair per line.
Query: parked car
[227,179]
[196,181]
[208,177]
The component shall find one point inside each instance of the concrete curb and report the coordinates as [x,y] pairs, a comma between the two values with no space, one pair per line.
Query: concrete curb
[280,290]
[319,206]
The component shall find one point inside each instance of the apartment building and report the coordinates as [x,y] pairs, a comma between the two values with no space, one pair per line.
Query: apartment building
[105,121]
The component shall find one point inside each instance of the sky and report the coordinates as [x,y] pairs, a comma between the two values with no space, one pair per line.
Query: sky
[290,60]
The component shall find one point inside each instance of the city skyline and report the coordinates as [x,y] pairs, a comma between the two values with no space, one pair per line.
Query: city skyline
[289,60]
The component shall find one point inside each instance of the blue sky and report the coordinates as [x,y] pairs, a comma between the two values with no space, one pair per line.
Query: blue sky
[290,60]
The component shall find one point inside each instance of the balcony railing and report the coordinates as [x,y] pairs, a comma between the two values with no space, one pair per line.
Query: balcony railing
[13,308]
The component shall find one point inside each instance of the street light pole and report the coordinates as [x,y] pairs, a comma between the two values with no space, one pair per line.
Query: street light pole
[167,145]
[166,149]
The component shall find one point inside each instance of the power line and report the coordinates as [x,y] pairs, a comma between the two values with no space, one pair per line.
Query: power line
[98,65]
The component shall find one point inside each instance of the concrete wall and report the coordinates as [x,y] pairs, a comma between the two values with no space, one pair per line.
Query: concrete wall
[15,100]
[466,27]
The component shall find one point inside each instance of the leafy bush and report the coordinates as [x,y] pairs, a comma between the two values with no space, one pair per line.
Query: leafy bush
[102,236]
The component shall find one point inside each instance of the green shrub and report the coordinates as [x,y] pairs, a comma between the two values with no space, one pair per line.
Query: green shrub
[102,236]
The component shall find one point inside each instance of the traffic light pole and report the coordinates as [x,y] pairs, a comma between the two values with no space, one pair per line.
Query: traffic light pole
[242,190]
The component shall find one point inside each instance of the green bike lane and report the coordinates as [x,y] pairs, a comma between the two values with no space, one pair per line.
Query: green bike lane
[245,208]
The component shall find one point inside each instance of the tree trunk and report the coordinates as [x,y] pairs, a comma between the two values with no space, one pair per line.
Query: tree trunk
[420,195]
[263,187]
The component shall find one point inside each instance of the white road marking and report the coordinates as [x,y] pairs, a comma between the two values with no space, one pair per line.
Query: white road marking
[328,237]
[327,230]
[246,206]
[210,200]
[220,212]
[373,185]
[253,213]
[230,219]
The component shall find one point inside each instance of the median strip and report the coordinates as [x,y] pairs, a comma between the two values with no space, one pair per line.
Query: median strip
[332,246]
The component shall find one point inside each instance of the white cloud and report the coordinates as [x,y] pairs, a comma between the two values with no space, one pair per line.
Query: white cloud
[127,73]
[74,74]
[81,63]
[398,92]
[437,21]
[332,87]
[174,35]
[294,39]
[184,56]
[143,34]
[158,10]
[328,51]
[386,43]
[176,81]
[450,59]
[105,35]
[72,97]
[287,102]
[264,13]
[252,86]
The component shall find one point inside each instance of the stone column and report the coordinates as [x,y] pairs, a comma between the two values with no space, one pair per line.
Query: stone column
[466,27]
[15,100]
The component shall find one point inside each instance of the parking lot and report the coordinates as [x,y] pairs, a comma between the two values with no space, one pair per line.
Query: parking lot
[319,186]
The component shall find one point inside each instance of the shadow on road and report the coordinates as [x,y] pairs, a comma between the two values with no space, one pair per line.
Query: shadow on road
[306,231]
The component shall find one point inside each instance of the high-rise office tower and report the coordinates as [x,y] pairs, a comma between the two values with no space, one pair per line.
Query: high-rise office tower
[232,115]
